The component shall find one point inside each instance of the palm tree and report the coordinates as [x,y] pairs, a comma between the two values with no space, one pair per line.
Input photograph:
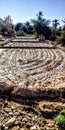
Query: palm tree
[41,26]
[41,18]
[40,15]
[55,23]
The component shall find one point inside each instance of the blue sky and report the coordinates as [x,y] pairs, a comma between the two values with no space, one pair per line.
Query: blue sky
[24,10]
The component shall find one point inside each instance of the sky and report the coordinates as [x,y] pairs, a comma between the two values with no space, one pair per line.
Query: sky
[24,10]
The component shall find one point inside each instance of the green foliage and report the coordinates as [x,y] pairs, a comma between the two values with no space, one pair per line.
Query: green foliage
[63,38]
[17,26]
[41,26]
[6,26]
[42,29]
[47,32]
[20,33]
[58,33]
[41,18]
[27,28]
[40,15]
[60,119]
[41,38]
[55,23]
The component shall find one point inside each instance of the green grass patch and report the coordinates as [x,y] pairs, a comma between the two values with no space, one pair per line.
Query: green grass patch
[60,119]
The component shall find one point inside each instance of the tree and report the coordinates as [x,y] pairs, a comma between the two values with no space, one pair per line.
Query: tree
[8,20]
[55,25]
[40,15]
[41,26]
[17,26]
[63,38]
[1,25]
[41,18]
[27,28]
[6,26]
[9,31]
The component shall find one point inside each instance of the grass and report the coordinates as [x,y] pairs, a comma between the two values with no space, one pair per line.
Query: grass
[60,119]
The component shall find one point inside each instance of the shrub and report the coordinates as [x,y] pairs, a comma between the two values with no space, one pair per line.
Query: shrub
[17,26]
[58,33]
[63,38]
[60,119]
[1,37]
[52,37]
[41,38]
[20,33]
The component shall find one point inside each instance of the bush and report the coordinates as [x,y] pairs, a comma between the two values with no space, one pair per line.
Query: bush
[20,33]
[58,33]
[63,38]
[60,119]
[1,37]
[41,38]
[52,37]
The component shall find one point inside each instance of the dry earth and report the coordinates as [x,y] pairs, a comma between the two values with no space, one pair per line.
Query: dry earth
[30,72]
[14,116]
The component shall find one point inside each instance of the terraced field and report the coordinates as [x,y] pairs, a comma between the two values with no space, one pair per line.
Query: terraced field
[32,65]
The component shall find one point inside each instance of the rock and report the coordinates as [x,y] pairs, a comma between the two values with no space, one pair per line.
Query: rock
[2,127]
[22,129]
[6,103]
[2,112]
[24,120]
[35,118]
[16,114]
[12,108]
[34,127]
[7,110]
[38,128]
[2,106]
[10,113]
[10,122]
[6,128]
[16,122]
[49,125]
[29,124]
[16,128]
